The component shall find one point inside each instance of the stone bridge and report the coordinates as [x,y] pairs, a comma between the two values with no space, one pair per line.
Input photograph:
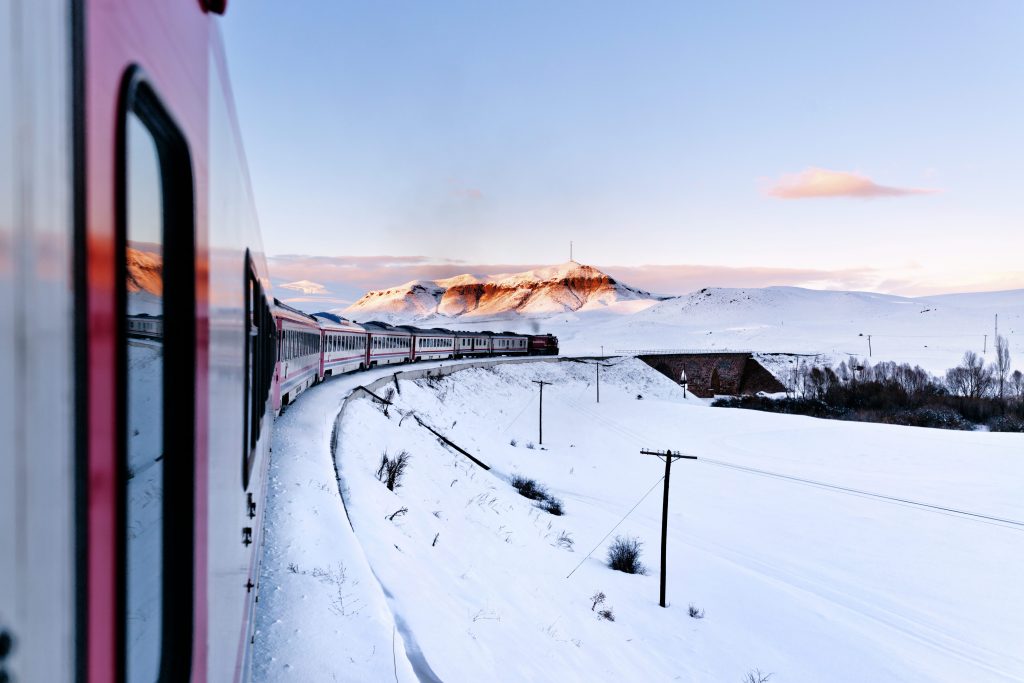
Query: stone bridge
[713,372]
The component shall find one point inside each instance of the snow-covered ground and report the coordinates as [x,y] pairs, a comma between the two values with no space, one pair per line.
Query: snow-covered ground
[810,582]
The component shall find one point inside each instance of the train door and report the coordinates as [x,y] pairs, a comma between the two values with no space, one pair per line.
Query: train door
[156,244]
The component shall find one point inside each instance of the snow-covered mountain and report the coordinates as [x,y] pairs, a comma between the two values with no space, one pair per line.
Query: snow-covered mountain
[588,311]
[568,287]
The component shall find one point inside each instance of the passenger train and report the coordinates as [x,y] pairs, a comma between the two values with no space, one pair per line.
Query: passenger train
[322,344]
[143,352]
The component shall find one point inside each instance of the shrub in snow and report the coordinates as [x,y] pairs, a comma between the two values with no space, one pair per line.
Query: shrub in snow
[528,488]
[392,470]
[529,444]
[552,505]
[389,395]
[624,555]
[755,676]
[565,540]
[1006,423]
[596,599]
[695,612]
[606,614]
[513,443]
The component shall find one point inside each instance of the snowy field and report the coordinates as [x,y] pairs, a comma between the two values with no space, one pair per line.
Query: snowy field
[932,331]
[809,582]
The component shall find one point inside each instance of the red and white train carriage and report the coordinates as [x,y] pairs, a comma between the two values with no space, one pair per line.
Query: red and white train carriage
[388,344]
[345,345]
[299,361]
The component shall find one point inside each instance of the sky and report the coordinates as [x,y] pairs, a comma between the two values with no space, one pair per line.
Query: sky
[872,145]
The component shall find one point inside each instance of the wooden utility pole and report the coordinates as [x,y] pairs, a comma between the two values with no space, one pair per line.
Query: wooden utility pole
[668,457]
[869,346]
[540,417]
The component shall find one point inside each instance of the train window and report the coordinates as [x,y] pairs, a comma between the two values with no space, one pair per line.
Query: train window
[156,242]
[260,342]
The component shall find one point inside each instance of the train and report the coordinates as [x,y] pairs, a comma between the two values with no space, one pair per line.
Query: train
[319,345]
[144,352]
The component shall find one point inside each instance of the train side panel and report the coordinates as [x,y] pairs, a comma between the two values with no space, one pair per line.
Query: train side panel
[37,351]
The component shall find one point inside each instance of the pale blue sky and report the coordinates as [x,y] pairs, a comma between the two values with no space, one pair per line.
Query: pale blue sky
[648,133]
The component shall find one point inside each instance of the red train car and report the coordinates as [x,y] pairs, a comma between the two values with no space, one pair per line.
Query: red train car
[133,318]
[543,345]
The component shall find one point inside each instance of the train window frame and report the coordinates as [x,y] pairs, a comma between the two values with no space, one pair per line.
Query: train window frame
[260,356]
[139,99]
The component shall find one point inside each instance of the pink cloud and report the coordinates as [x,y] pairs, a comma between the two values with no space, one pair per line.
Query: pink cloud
[815,183]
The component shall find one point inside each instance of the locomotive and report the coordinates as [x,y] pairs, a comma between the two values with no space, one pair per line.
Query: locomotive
[144,352]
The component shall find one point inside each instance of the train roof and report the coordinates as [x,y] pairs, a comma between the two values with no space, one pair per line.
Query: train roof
[333,317]
[378,326]
[333,323]
[292,312]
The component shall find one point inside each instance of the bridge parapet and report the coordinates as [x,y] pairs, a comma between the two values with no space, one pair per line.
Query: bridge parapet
[712,371]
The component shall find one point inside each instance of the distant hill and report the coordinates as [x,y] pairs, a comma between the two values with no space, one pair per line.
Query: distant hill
[568,287]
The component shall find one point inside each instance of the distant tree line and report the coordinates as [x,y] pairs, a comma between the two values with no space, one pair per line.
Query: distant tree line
[967,396]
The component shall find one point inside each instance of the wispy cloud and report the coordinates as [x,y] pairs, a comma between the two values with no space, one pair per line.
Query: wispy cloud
[305,286]
[817,183]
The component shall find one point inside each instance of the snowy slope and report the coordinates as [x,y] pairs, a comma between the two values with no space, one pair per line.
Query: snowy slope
[809,582]
[543,291]
[931,331]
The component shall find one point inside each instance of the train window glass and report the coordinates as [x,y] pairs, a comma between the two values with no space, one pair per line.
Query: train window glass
[260,340]
[145,380]
[156,242]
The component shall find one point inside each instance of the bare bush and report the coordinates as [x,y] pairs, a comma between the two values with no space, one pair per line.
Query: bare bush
[528,488]
[388,396]
[565,540]
[756,676]
[624,555]
[392,469]
[552,506]
[596,599]
[397,513]
[696,612]
[606,614]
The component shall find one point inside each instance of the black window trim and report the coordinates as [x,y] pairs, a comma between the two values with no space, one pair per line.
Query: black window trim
[140,98]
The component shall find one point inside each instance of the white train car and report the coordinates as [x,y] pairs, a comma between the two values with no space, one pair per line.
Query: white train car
[510,344]
[388,344]
[435,344]
[344,343]
[298,359]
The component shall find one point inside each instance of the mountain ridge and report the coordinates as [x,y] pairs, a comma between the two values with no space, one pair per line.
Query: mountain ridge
[566,287]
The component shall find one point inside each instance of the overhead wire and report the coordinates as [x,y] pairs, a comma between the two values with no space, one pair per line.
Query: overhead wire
[642,499]
[1013,524]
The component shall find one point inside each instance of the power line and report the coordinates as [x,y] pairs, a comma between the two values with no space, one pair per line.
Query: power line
[615,527]
[965,514]
[869,494]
